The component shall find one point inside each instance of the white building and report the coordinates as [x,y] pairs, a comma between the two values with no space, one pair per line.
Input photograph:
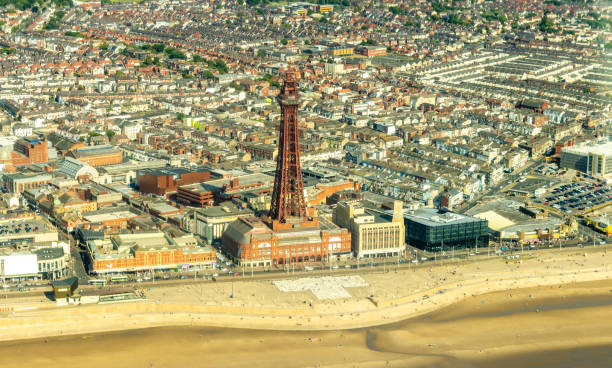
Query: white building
[131,129]
[594,158]
[22,130]
[16,265]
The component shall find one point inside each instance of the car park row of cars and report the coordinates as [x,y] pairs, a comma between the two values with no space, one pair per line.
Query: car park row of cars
[577,197]
[17,228]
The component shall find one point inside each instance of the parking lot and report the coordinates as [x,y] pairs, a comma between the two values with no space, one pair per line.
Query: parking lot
[549,169]
[578,197]
[20,227]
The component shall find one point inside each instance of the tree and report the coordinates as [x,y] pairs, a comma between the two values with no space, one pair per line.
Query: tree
[219,65]
[284,42]
[369,42]
[91,135]
[103,46]
[158,47]
[455,19]
[110,134]
[208,74]
[174,53]
[395,10]
[236,86]
[546,25]
[198,59]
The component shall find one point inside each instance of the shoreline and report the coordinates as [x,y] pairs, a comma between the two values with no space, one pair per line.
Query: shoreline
[465,334]
[92,319]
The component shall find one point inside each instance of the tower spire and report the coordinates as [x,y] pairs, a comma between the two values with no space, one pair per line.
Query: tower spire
[288,196]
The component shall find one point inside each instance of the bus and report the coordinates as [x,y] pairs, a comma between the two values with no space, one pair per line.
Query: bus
[121,278]
[100,282]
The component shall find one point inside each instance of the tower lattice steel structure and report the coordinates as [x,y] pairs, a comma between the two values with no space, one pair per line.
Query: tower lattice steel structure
[288,196]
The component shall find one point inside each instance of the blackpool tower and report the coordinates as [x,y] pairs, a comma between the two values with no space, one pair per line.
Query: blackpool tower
[288,202]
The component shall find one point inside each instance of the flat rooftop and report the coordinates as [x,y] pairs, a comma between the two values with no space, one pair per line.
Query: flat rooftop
[435,217]
[109,216]
[21,227]
[219,184]
[49,253]
[600,148]
[169,171]
[223,210]
[505,215]
[96,150]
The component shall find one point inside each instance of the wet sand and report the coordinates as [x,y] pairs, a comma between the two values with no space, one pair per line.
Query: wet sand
[551,326]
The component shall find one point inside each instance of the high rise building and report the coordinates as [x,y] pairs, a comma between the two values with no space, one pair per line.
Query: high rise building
[289,234]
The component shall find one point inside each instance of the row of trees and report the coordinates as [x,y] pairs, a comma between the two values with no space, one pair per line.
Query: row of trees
[35,4]
[53,23]
[171,52]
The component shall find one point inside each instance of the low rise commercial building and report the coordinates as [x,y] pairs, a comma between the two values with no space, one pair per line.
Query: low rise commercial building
[161,181]
[593,159]
[211,222]
[250,241]
[148,251]
[97,155]
[51,262]
[110,220]
[17,265]
[18,182]
[508,221]
[602,223]
[207,193]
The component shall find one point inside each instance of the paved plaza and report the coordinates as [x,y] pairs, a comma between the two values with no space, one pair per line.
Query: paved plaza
[327,287]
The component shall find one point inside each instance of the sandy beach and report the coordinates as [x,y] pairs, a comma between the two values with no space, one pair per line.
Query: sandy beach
[505,331]
[445,315]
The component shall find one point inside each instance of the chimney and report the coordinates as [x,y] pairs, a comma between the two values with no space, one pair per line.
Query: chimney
[398,207]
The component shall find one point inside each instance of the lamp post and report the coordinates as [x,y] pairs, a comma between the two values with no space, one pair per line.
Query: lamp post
[3,278]
[398,259]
